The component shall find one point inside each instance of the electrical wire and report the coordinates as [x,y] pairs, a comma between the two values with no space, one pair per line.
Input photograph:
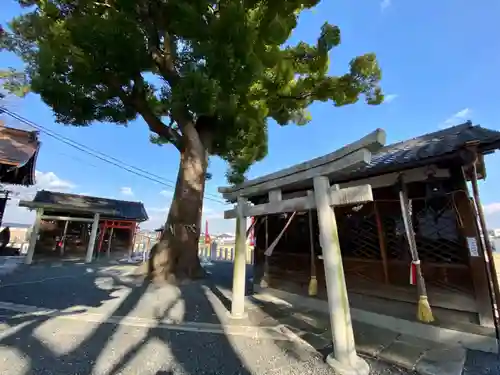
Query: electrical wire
[100,155]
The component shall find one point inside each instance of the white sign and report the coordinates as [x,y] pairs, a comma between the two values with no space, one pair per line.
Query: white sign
[472,244]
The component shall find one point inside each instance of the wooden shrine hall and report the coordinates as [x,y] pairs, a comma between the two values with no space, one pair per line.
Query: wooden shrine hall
[18,153]
[364,182]
[71,225]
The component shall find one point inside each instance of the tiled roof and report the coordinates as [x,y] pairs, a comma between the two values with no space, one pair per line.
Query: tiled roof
[18,149]
[17,146]
[124,210]
[407,154]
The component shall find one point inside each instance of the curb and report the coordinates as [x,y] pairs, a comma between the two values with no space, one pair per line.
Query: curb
[407,351]
[444,336]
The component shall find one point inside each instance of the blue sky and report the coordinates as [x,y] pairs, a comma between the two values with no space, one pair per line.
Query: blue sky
[439,59]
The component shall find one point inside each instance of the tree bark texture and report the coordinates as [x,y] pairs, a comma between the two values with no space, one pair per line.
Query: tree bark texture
[175,256]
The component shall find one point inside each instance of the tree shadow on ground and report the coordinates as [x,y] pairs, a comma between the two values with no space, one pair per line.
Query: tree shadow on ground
[81,358]
[196,346]
[291,321]
[105,350]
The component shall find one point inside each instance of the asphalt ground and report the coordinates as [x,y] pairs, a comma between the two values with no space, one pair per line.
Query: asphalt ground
[77,319]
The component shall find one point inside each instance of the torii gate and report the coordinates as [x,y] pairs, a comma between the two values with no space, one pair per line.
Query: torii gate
[323,197]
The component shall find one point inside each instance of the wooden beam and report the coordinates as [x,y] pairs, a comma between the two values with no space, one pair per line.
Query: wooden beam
[275,195]
[371,142]
[342,197]
[356,159]
[67,218]
[289,205]
[390,179]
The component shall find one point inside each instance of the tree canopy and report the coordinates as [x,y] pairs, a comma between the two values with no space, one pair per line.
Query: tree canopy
[177,61]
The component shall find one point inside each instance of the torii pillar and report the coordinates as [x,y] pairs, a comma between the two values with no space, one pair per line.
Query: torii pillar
[344,358]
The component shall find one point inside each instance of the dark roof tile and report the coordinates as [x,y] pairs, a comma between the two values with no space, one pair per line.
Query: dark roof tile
[125,210]
[407,153]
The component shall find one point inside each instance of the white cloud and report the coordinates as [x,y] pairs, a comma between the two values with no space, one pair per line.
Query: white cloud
[492,215]
[44,181]
[50,181]
[457,118]
[385,4]
[390,98]
[126,191]
[167,193]
[492,208]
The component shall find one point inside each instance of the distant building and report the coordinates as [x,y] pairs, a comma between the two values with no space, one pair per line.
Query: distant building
[224,238]
[19,233]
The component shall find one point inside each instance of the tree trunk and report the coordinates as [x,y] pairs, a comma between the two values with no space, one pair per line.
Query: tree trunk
[175,256]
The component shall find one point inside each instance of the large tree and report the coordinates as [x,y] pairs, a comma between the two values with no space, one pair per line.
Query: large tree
[206,76]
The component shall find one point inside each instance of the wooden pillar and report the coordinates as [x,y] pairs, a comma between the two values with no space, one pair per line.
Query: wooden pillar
[486,238]
[264,282]
[313,282]
[344,359]
[93,235]
[110,238]
[34,236]
[477,264]
[381,243]
[239,264]
[102,232]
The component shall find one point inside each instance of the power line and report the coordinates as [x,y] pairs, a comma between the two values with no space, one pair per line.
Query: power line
[100,155]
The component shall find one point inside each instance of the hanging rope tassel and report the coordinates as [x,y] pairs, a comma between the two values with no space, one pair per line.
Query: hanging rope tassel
[413,273]
[424,311]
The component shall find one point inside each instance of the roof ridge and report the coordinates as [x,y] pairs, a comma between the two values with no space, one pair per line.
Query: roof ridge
[89,196]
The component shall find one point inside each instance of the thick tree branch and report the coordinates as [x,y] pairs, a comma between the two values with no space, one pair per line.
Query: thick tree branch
[155,124]
[137,99]
[164,61]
